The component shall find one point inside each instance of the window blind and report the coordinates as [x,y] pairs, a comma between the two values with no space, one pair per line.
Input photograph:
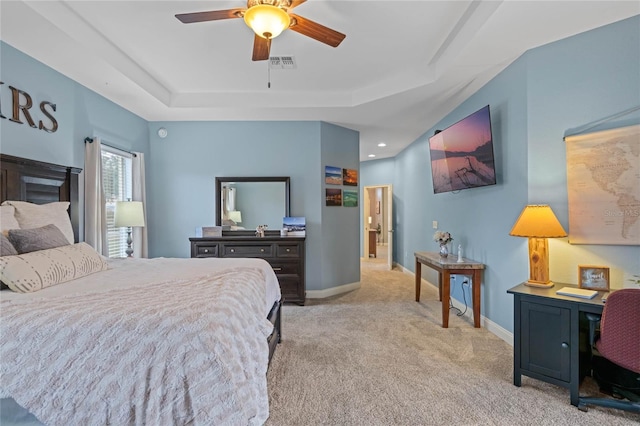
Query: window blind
[117,184]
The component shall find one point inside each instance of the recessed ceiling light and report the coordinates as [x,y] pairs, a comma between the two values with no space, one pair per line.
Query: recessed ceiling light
[381,144]
[371,155]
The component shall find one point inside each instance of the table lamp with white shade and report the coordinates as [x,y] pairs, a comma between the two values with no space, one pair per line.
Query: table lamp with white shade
[129,214]
[235,216]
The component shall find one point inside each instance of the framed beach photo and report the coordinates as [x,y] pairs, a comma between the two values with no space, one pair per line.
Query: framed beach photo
[593,277]
[333,175]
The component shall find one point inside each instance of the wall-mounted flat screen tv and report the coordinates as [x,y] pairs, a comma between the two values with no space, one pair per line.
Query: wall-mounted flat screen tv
[462,154]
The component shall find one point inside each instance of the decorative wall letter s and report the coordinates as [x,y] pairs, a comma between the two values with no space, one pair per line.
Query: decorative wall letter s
[54,122]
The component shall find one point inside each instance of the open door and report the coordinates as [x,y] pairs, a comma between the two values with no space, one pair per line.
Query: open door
[388,197]
[366,224]
[378,207]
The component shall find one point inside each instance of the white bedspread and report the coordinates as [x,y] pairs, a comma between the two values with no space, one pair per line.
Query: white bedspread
[187,348]
[133,272]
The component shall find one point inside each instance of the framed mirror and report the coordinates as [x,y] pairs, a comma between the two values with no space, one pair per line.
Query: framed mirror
[243,203]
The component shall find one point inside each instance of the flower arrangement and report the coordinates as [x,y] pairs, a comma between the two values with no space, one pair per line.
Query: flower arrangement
[442,237]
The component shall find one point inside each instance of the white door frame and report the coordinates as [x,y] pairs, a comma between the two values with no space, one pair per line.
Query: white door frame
[387,195]
[387,208]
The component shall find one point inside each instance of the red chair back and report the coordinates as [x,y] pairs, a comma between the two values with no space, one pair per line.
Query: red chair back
[620,329]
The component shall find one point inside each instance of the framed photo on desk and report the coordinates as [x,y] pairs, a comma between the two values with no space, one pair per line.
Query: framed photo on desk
[593,277]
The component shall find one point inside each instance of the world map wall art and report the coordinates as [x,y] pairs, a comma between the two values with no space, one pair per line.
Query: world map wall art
[603,185]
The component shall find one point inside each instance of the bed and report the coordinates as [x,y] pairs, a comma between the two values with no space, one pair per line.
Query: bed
[129,341]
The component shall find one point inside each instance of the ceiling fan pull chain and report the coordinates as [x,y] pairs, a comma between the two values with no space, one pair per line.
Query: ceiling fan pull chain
[269,74]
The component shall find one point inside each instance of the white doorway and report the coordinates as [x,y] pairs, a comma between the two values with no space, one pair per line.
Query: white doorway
[378,224]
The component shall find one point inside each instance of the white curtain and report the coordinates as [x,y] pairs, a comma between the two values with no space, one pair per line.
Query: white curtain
[95,216]
[140,243]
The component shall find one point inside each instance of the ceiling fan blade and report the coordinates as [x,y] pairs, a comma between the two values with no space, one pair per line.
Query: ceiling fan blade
[296,3]
[316,31]
[261,48]
[214,15]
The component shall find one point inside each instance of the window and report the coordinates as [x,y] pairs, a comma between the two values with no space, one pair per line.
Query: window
[117,184]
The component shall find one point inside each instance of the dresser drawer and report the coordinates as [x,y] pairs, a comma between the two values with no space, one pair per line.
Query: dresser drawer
[292,290]
[284,268]
[206,250]
[288,250]
[241,250]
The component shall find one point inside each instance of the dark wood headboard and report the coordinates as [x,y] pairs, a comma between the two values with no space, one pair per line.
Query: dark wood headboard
[22,179]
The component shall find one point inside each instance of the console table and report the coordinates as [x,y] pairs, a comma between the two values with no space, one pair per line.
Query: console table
[284,254]
[546,335]
[447,266]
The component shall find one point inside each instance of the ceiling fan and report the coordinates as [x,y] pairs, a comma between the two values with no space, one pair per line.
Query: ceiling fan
[268,18]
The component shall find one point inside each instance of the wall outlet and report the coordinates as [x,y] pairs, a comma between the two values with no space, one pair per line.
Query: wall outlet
[435,224]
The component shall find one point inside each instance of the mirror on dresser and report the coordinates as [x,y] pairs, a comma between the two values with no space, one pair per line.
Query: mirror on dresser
[243,203]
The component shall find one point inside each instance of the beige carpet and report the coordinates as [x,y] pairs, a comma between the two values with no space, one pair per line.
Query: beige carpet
[376,357]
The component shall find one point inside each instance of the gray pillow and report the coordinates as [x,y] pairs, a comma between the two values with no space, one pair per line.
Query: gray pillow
[35,239]
[6,248]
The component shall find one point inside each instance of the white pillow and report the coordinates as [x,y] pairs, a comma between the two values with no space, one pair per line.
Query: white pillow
[26,273]
[8,219]
[31,215]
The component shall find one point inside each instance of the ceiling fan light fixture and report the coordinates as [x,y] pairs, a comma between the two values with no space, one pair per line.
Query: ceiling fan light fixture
[267,21]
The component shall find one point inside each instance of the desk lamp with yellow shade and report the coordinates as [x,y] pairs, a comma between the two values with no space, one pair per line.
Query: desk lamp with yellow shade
[537,222]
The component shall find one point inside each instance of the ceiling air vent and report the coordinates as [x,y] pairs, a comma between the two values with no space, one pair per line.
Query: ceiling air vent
[282,62]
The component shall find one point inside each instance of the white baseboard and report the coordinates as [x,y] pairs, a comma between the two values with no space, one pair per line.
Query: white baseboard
[404,270]
[321,294]
[485,322]
[499,331]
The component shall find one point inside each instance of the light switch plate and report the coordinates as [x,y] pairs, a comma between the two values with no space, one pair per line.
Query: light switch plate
[435,224]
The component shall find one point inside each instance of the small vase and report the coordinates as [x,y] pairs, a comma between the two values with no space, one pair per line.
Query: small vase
[444,251]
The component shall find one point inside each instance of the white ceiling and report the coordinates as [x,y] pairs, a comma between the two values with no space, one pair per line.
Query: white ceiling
[403,66]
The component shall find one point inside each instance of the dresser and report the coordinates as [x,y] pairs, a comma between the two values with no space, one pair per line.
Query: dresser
[284,254]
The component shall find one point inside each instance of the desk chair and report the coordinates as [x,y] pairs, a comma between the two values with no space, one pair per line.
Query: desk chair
[616,353]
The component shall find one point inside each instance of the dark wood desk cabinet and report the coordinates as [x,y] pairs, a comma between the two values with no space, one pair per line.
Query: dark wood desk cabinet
[548,337]
[285,254]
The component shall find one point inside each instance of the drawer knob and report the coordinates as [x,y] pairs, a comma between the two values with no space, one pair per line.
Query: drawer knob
[206,250]
[233,250]
[288,250]
[261,250]
[565,345]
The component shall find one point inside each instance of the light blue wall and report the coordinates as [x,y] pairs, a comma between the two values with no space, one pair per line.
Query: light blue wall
[184,165]
[536,101]
[80,113]
[340,252]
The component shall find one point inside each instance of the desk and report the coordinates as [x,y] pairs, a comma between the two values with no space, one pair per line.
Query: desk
[447,266]
[546,335]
